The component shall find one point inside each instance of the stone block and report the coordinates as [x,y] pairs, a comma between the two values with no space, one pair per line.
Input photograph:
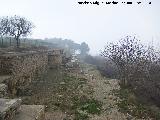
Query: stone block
[31,112]
[4,78]
[8,108]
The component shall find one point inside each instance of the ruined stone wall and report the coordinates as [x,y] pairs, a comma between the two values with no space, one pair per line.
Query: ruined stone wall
[5,65]
[55,58]
[23,67]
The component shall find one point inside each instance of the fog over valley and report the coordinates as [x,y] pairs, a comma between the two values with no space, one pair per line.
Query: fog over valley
[96,25]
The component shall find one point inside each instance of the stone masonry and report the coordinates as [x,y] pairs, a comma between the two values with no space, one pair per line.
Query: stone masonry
[55,58]
[18,70]
[23,68]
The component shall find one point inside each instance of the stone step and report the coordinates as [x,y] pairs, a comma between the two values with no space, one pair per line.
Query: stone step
[4,78]
[8,108]
[3,90]
[30,112]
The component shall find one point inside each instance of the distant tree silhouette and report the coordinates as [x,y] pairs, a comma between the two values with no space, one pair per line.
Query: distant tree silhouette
[84,48]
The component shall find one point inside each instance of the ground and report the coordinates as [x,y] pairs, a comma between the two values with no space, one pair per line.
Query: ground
[103,91]
[81,94]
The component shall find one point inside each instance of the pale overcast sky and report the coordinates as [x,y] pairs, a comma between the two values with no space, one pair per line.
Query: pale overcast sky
[96,25]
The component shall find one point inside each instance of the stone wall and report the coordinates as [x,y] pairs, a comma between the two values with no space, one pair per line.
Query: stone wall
[55,58]
[23,67]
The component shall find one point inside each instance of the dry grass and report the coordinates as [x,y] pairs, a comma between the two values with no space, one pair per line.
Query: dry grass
[63,92]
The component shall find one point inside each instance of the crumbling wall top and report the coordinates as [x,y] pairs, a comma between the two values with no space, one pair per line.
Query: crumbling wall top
[20,54]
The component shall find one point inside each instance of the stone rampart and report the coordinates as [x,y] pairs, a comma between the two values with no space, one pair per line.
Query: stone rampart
[23,67]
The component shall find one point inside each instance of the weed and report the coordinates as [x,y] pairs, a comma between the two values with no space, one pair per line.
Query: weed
[91,106]
[85,106]
[81,116]
[129,104]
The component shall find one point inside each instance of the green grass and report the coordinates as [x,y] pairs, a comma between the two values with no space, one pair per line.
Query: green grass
[81,116]
[85,106]
[91,107]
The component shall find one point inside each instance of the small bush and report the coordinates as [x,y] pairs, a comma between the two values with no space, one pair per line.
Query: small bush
[91,106]
[131,105]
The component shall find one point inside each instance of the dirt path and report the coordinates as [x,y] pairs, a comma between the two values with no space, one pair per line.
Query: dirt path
[103,92]
[103,88]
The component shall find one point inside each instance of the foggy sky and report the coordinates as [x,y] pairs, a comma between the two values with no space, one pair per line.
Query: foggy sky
[96,25]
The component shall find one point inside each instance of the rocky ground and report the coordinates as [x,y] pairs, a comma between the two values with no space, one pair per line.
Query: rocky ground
[82,94]
[103,91]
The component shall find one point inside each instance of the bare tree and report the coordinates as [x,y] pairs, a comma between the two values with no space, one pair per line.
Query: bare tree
[4,25]
[16,27]
[130,57]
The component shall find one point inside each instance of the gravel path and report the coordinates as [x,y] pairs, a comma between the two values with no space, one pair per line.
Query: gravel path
[103,92]
[102,88]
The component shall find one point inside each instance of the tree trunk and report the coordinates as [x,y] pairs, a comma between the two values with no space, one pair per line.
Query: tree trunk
[2,41]
[17,42]
[10,41]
